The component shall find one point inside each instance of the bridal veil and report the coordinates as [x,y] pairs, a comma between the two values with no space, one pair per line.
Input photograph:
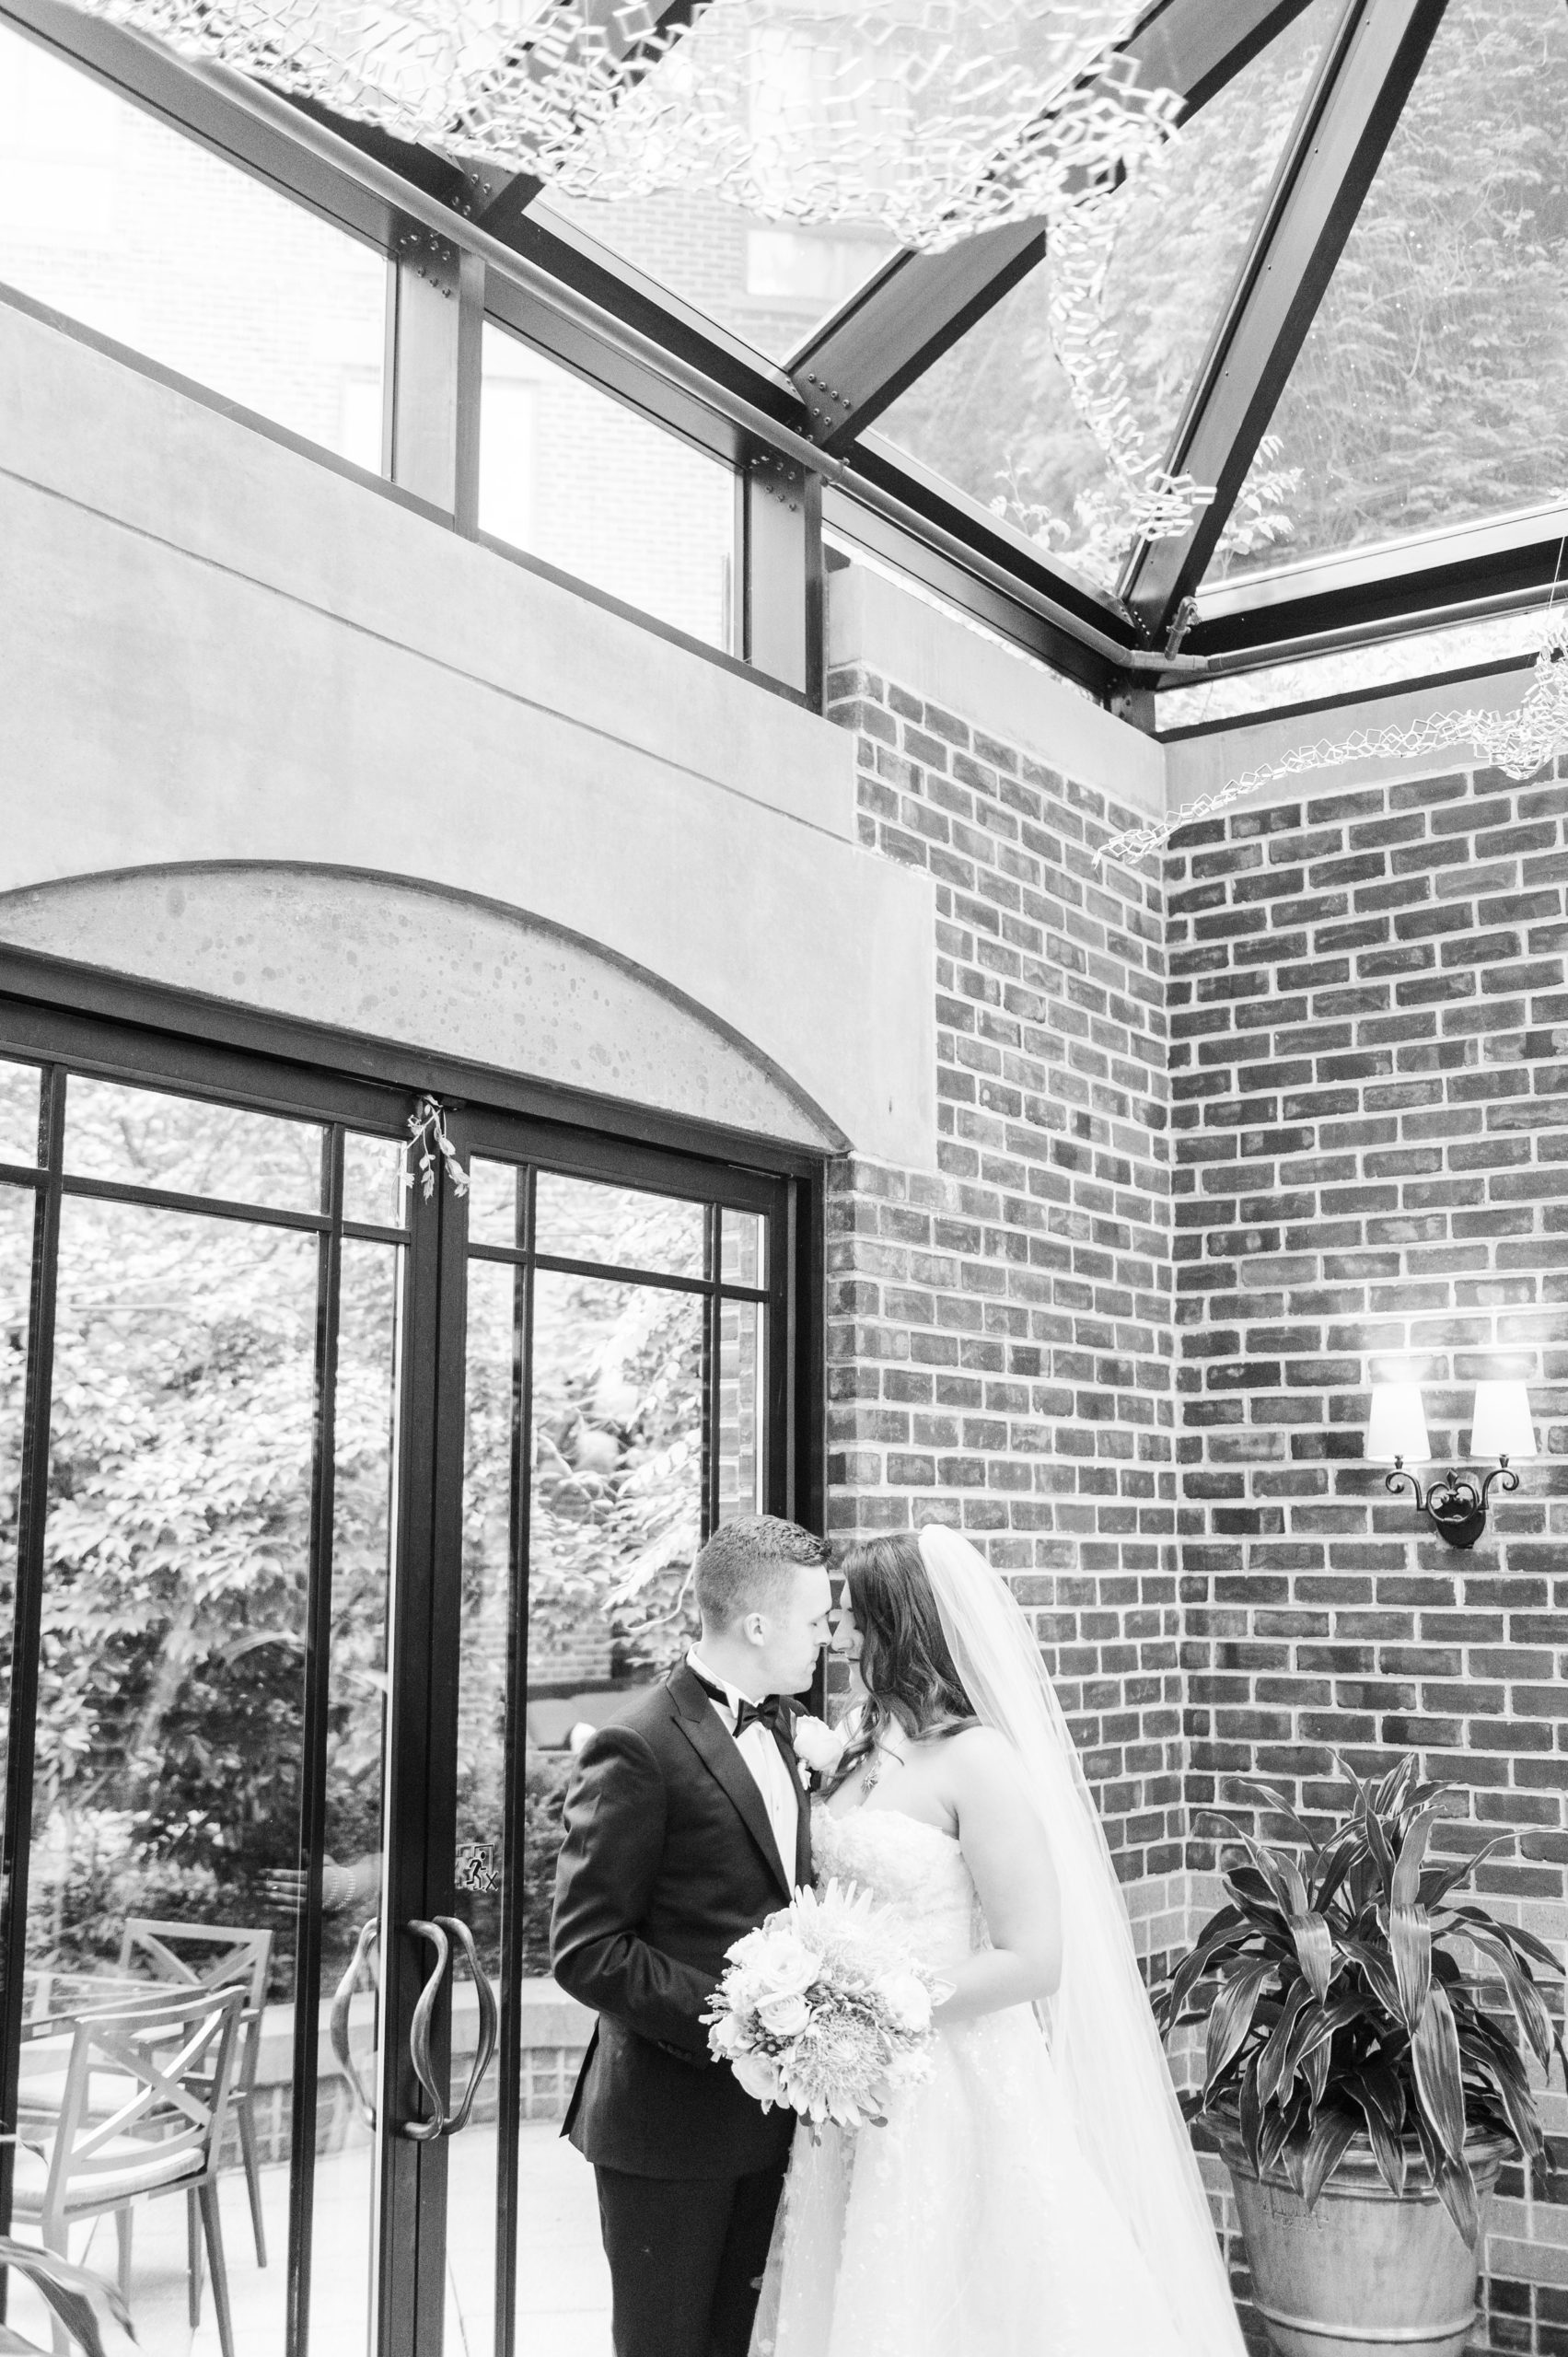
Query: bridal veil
[1107,2051]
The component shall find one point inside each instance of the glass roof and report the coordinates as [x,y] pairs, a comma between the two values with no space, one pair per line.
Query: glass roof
[995,417]
[1352,671]
[1432,388]
[769,283]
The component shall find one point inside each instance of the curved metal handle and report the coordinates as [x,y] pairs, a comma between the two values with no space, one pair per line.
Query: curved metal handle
[489,2020]
[338,2026]
[423,2132]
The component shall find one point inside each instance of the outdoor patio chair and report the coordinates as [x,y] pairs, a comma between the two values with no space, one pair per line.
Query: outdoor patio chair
[176,2062]
[240,1957]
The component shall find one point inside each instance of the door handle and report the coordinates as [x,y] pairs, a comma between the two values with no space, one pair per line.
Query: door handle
[489,2020]
[425,2132]
[338,2023]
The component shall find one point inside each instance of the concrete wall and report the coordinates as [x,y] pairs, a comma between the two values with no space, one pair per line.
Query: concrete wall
[219,649]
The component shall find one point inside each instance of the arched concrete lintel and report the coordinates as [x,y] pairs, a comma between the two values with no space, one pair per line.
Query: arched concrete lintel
[440,969]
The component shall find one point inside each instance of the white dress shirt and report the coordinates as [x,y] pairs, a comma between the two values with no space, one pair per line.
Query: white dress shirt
[770,1770]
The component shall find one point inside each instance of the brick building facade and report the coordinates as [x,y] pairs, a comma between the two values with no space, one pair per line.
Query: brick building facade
[1212,1158]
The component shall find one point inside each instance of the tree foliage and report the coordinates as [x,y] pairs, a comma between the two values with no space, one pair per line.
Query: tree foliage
[169,1748]
[1431,386]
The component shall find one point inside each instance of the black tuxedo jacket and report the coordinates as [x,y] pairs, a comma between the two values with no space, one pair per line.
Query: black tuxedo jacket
[668,1856]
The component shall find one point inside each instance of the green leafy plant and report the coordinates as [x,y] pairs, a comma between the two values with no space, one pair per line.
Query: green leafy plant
[1335,2008]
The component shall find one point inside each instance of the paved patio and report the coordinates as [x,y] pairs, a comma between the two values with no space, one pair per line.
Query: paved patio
[565,2301]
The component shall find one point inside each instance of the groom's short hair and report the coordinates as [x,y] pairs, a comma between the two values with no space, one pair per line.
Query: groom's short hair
[747,1561]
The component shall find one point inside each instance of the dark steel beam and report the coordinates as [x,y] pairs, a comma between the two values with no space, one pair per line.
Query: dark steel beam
[1338,140]
[1469,585]
[918,306]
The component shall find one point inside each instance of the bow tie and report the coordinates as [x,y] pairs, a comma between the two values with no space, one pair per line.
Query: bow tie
[768,1713]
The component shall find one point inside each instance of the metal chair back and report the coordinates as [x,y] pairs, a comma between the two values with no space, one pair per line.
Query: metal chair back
[171,2070]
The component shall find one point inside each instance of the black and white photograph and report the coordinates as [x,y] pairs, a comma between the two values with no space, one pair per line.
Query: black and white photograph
[784,1178]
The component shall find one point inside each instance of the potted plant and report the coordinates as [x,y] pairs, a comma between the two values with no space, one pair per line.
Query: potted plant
[1363,2090]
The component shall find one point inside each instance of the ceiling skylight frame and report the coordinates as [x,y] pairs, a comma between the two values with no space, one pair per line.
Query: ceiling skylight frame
[624,331]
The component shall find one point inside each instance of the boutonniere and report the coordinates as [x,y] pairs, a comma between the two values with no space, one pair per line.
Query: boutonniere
[817,1746]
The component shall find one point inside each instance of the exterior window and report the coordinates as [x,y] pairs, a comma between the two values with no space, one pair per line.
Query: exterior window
[573,477]
[111,216]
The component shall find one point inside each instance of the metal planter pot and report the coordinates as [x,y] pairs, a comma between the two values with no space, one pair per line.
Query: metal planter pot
[1362,2274]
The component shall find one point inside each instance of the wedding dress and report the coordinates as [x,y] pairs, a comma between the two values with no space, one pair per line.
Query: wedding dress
[970,2226]
[1039,2196]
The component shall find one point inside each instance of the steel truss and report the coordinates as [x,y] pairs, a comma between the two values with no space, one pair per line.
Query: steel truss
[463,244]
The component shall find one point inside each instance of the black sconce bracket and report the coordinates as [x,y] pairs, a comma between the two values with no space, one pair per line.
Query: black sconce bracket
[1454,1507]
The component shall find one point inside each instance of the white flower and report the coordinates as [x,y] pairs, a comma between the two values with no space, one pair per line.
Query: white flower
[727,2036]
[819,1745]
[786,1965]
[759,2074]
[784,2016]
[908,2000]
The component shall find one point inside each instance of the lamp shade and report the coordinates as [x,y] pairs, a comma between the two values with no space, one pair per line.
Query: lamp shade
[1503,1425]
[1396,1431]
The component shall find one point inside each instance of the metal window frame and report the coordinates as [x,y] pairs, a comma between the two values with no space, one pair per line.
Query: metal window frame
[1341,133]
[918,306]
[73,1019]
[597,315]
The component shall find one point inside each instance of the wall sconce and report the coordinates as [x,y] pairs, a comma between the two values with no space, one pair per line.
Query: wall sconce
[1454,1507]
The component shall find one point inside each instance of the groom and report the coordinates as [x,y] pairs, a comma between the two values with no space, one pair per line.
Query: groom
[686,1825]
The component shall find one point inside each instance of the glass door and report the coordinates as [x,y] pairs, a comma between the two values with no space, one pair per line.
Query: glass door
[200,1343]
[626,1390]
[335,1505]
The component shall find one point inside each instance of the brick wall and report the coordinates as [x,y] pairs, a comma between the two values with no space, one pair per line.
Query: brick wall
[1369,1087]
[1000,1333]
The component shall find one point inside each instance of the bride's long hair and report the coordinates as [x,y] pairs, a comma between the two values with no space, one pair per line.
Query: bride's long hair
[906,1664]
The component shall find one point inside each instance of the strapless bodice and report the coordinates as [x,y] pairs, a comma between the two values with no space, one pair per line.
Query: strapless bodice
[910,1867]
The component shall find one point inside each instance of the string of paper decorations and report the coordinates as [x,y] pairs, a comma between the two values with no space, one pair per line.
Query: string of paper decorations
[1516,742]
[928,118]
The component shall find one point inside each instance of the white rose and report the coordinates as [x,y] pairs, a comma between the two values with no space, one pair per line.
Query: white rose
[819,1745]
[758,2075]
[726,2036]
[908,2000]
[785,1967]
[784,2016]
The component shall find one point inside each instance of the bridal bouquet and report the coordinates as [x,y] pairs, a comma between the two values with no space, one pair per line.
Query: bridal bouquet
[824,2011]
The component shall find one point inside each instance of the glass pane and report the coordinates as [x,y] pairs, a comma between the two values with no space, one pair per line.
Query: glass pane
[995,416]
[119,221]
[145,1138]
[350,1874]
[616,1510]
[1355,670]
[375,1180]
[577,478]
[491,1403]
[169,1762]
[770,282]
[15,1290]
[742,1249]
[741,1393]
[577,1219]
[1430,390]
[19,1112]
[615,1521]
[492,1202]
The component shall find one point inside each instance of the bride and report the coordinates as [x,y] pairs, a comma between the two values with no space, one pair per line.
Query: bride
[1037,2196]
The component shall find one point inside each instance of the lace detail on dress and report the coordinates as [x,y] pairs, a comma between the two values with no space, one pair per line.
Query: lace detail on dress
[969,2226]
[912,1868]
